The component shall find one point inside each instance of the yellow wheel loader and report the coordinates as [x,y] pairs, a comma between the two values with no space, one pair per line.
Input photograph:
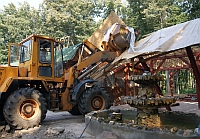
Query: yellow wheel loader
[39,76]
[43,75]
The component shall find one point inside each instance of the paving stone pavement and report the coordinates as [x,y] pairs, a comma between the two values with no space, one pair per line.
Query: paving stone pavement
[187,107]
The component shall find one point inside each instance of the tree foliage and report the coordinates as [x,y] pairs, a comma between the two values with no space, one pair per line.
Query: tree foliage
[68,18]
[79,18]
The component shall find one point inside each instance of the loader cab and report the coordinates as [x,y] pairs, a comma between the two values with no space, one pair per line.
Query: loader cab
[38,56]
[50,58]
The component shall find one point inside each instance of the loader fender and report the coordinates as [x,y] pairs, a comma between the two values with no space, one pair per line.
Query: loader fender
[79,88]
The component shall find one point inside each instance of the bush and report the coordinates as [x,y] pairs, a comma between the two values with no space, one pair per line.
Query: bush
[188,91]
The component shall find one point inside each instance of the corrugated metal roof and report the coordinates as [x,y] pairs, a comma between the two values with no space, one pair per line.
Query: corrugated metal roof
[166,40]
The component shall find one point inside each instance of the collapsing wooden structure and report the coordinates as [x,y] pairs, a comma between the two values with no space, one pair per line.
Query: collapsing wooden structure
[172,48]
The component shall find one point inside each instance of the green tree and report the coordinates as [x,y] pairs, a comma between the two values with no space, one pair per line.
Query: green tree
[68,18]
[136,15]
[176,13]
[15,25]
[191,8]
[77,18]
[152,15]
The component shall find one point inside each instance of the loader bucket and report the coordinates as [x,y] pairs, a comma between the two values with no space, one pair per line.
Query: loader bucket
[119,37]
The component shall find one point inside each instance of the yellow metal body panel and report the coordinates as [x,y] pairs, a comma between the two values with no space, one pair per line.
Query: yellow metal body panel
[5,85]
[65,97]
[6,76]
[97,57]
[23,71]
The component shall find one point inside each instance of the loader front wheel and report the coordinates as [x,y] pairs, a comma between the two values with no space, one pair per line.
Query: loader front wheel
[25,108]
[93,99]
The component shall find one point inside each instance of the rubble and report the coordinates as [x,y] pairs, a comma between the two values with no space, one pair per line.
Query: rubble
[146,121]
[54,131]
[59,125]
[127,128]
[188,132]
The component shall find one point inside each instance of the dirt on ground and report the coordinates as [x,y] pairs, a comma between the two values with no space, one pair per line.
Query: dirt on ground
[63,125]
[56,125]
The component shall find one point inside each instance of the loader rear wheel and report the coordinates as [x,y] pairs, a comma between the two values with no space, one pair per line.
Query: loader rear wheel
[93,99]
[25,108]
[74,111]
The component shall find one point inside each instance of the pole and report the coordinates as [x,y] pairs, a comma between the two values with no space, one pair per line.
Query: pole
[195,71]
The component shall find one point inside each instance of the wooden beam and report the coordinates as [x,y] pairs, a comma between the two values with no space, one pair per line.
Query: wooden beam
[184,60]
[171,82]
[158,68]
[195,71]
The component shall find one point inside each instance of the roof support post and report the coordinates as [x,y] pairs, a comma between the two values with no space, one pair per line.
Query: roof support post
[127,83]
[195,71]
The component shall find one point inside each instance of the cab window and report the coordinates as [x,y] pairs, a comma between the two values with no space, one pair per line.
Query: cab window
[58,66]
[45,51]
[25,51]
[14,55]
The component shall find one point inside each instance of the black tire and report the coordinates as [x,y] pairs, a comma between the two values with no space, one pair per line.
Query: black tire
[1,112]
[25,108]
[74,111]
[93,99]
